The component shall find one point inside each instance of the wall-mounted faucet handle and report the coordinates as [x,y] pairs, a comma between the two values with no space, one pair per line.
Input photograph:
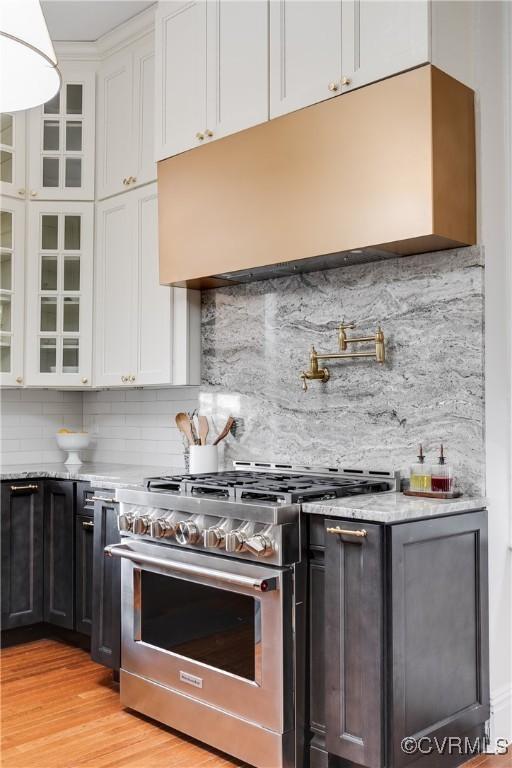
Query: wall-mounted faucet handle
[304,381]
[342,336]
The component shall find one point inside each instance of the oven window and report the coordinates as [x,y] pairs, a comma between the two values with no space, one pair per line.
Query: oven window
[206,624]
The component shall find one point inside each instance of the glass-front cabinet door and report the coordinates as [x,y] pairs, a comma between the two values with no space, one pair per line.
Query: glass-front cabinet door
[12,252]
[61,150]
[59,294]
[12,154]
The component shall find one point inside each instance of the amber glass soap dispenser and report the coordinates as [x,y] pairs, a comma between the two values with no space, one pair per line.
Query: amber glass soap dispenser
[420,475]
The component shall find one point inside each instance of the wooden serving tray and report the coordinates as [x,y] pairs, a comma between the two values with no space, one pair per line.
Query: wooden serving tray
[434,494]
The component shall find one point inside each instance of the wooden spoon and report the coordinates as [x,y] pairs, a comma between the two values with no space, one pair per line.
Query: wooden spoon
[204,428]
[225,432]
[183,424]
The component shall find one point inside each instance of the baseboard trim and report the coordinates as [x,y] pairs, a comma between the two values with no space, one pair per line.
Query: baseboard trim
[500,722]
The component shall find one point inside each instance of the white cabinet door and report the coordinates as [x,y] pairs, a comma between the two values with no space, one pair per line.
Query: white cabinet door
[153,308]
[142,166]
[305,53]
[12,272]
[180,77]
[58,338]
[61,139]
[115,124]
[382,38]
[115,307]
[237,65]
[12,154]
[125,127]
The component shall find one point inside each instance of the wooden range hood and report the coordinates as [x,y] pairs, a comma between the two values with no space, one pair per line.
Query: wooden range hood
[386,169]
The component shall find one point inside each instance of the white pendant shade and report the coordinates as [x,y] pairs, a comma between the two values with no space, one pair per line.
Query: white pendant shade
[28,65]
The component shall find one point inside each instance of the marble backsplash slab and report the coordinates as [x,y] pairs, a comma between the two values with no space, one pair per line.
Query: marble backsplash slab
[256,340]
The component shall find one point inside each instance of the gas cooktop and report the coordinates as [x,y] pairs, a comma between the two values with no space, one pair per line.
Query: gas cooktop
[271,486]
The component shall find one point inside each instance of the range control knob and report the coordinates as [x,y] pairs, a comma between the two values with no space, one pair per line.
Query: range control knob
[160,529]
[235,541]
[140,525]
[259,545]
[213,537]
[125,522]
[187,533]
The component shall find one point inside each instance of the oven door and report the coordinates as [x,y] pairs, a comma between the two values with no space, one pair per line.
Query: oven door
[214,629]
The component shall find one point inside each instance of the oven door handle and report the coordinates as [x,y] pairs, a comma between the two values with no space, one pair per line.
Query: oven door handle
[224,577]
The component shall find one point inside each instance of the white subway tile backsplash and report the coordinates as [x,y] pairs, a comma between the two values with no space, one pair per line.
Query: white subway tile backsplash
[126,426]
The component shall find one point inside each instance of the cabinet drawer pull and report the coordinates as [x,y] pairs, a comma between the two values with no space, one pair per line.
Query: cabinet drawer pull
[87,524]
[100,498]
[29,487]
[344,532]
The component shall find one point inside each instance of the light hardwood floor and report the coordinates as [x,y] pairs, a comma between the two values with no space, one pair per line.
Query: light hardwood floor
[61,710]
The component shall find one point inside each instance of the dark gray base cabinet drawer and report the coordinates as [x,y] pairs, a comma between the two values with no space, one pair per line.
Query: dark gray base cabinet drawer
[22,553]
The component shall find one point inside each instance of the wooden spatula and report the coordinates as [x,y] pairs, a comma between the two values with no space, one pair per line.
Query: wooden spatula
[225,431]
[204,428]
[183,424]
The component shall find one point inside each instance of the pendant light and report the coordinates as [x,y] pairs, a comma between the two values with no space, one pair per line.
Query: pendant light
[28,65]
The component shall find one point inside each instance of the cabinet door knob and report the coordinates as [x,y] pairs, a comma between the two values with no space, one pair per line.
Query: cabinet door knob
[200,136]
[125,181]
[19,379]
[346,80]
[209,133]
[132,377]
[33,193]
[85,380]
[21,191]
[124,379]
[333,86]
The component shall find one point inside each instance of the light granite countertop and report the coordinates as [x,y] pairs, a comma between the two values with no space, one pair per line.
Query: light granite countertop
[99,475]
[392,507]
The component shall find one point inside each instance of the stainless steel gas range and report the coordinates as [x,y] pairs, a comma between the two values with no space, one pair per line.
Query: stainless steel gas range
[213,581]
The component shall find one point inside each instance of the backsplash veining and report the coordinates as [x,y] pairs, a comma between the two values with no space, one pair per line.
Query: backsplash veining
[256,339]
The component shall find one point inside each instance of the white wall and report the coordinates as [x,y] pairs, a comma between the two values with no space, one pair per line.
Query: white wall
[493,79]
[30,418]
[137,426]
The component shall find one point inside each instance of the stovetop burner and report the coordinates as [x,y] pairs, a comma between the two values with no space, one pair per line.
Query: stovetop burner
[284,488]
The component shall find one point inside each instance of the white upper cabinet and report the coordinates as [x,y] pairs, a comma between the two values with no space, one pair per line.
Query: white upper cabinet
[12,154]
[59,294]
[12,272]
[322,48]
[305,53]
[125,125]
[137,319]
[211,71]
[237,65]
[381,38]
[180,76]
[61,139]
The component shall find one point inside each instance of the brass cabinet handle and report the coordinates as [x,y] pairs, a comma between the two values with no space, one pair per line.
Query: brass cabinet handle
[131,378]
[200,136]
[19,379]
[100,498]
[346,80]
[85,380]
[209,133]
[333,86]
[345,532]
[29,487]
[33,193]
[88,524]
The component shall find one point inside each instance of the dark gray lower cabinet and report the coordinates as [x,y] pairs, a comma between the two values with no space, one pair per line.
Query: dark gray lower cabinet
[354,643]
[59,553]
[22,553]
[398,639]
[439,629]
[106,604]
